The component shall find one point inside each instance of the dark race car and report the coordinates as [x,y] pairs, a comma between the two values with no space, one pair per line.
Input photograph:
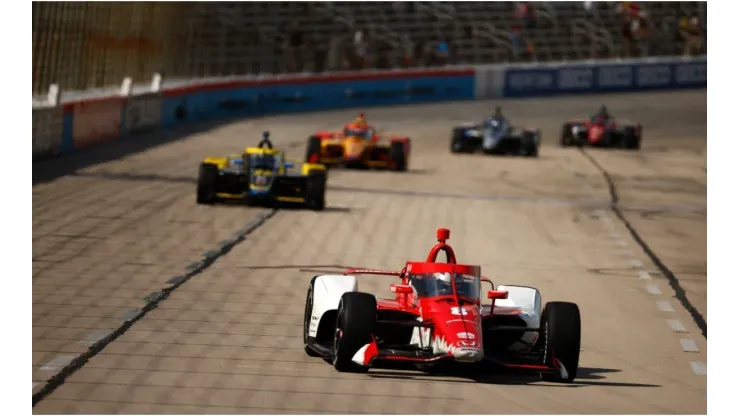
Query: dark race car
[601,130]
[261,175]
[495,136]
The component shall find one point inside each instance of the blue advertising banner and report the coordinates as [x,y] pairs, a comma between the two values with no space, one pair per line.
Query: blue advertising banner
[323,93]
[611,77]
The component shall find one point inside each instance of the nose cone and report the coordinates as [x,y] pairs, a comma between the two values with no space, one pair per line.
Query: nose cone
[353,148]
[468,354]
[457,332]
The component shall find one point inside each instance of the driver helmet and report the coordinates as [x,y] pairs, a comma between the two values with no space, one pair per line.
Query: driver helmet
[360,121]
[443,276]
[444,281]
[265,135]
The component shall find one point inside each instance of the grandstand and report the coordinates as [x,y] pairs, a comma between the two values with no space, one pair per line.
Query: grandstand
[94,45]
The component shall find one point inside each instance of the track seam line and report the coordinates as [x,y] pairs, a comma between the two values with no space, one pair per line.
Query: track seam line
[679,291]
[72,367]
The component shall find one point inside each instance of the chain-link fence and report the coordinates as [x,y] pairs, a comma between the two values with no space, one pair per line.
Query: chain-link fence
[87,45]
[94,45]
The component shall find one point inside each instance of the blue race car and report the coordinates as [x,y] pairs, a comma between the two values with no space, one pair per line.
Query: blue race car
[497,136]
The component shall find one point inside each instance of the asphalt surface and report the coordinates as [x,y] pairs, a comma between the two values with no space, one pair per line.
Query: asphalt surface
[144,302]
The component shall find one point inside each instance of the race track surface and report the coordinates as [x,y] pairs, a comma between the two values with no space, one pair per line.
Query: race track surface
[110,233]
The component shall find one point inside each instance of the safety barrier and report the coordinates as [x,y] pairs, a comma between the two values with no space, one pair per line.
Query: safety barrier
[64,128]
[596,77]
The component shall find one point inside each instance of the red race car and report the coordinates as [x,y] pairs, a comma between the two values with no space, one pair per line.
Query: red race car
[359,145]
[437,319]
[601,130]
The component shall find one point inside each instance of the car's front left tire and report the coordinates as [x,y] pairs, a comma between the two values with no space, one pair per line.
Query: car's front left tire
[307,314]
[206,188]
[355,322]
[316,190]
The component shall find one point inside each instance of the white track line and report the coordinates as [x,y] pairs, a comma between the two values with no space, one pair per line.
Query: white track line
[676,325]
[653,290]
[59,362]
[665,306]
[643,275]
[699,368]
[689,345]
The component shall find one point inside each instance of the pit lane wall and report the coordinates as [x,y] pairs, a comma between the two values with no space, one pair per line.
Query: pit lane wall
[81,123]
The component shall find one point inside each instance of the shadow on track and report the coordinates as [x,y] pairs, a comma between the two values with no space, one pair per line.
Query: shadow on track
[587,376]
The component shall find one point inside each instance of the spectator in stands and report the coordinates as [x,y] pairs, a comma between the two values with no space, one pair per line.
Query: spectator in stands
[442,52]
[520,46]
[526,14]
[690,31]
[635,29]
[293,45]
[420,54]
[361,43]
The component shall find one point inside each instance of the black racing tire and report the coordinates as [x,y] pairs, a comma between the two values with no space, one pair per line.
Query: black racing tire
[397,156]
[560,334]
[307,319]
[530,144]
[631,138]
[313,149]
[206,188]
[566,135]
[356,318]
[457,141]
[316,190]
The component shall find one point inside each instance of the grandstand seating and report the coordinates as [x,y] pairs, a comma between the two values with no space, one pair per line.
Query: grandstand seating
[220,39]
[479,32]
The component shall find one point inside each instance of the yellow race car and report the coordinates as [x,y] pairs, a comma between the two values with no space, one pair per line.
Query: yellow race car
[261,175]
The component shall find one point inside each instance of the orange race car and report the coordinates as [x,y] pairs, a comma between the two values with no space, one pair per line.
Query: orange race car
[359,146]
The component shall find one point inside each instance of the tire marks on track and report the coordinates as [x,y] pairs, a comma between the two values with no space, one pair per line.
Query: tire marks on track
[679,291]
[153,301]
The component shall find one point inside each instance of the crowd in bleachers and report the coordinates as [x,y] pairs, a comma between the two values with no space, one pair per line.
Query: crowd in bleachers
[346,35]
[205,39]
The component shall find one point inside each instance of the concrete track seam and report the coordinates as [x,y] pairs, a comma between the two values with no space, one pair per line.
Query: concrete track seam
[58,379]
[679,291]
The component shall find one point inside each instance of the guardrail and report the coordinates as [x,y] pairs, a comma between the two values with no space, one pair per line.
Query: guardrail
[63,127]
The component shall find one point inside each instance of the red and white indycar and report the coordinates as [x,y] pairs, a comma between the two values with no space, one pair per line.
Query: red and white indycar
[601,132]
[437,317]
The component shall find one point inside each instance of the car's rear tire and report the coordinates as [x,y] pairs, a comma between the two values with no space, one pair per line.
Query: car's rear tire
[397,155]
[206,188]
[457,141]
[313,150]
[530,144]
[307,319]
[355,322]
[631,139]
[560,336]
[566,135]
[316,190]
